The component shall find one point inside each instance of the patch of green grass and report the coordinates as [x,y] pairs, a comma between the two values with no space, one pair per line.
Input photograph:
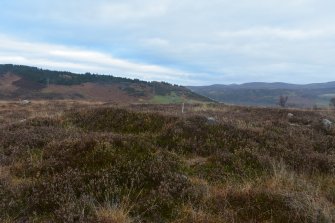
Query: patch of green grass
[172,98]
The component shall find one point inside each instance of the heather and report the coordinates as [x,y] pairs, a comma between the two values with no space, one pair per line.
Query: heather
[67,161]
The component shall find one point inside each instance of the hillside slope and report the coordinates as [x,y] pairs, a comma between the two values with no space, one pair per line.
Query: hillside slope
[267,94]
[24,82]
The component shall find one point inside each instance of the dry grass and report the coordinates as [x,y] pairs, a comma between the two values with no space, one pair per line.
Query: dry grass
[79,161]
[113,214]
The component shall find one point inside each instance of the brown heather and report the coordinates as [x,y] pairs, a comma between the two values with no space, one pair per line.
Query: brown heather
[68,161]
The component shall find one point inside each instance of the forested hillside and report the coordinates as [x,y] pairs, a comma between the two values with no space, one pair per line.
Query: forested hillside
[17,82]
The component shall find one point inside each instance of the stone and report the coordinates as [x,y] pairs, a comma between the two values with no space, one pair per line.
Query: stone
[25,102]
[211,120]
[290,115]
[22,120]
[327,124]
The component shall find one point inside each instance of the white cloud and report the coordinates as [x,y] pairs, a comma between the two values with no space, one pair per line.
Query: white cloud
[112,11]
[79,60]
[178,41]
[270,32]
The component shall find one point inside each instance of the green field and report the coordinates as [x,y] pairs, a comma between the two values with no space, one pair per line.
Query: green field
[172,98]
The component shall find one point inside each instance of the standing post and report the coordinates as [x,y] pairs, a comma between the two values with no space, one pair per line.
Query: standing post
[183,105]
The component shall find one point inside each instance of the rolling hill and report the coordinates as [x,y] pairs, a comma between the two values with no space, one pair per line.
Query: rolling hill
[24,82]
[267,94]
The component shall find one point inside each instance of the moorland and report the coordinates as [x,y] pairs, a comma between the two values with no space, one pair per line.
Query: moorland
[84,161]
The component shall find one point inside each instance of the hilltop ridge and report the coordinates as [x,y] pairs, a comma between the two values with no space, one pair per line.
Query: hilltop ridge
[267,94]
[19,81]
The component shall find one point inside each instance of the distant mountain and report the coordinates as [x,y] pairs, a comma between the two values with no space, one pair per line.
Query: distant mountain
[275,85]
[24,82]
[267,94]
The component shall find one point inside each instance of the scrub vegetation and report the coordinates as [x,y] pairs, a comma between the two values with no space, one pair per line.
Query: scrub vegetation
[68,161]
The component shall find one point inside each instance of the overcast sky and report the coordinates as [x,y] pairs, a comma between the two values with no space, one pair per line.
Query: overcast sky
[180,41]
